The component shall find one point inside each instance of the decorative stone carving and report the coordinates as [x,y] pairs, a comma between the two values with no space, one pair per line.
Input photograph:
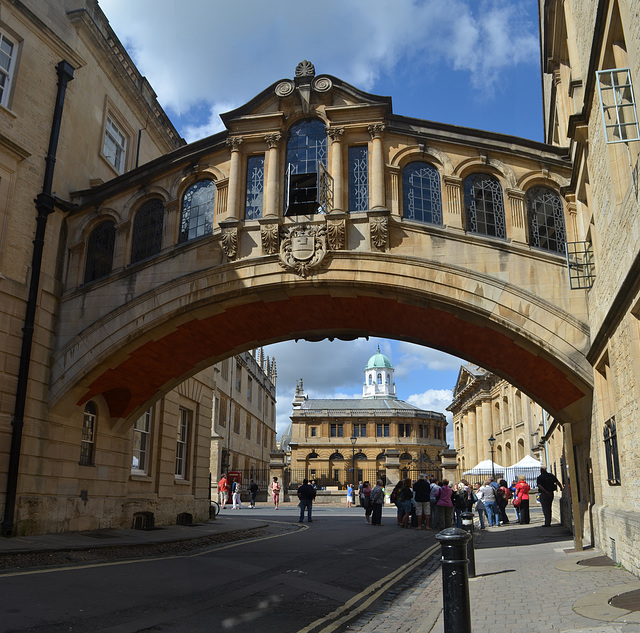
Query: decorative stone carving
[285,88]
[335,133]
[303,248]
[376,130]
[234,143]
[230,241]
[379,230]
[305,69]
[322,84]
[269,234]
[336,234]
[273,140]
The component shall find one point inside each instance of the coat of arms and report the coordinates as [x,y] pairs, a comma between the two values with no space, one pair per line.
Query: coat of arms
[303,248]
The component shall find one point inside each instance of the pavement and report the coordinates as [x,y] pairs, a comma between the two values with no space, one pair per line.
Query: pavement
[528,579]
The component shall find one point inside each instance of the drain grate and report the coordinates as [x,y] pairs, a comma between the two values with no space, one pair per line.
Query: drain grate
[629,601]
[597,561]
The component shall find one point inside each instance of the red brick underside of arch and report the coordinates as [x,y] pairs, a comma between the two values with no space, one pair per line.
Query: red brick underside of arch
[156,363]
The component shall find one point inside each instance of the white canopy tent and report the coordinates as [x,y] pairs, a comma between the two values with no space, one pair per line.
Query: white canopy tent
[527,466]
[485,468]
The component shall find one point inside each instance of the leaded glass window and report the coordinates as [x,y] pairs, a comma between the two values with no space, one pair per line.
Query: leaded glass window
[197,210]
[545,215]
[358,178]
[611,451]
[421,196]
[147,231]
[255,188]
[88,434]
[100,246]
[618,105]
[484,206]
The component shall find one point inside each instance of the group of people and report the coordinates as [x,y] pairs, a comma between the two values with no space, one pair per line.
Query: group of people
[234,488]
[372,500]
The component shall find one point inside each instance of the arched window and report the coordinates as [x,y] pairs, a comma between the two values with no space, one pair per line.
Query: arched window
[336,456]
[306,155]
[360,456]
[421,193]
[545,215]
[370,379]
[100,247]
[197,210]
[388,381]
[484,206]
[379,379]
[313,455]
[88,434]
[405,457]
[147,231]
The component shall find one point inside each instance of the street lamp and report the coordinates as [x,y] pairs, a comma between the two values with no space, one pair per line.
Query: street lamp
[492,441]
[353,439]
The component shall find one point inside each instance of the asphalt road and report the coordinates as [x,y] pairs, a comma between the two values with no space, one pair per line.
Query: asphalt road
[308,580]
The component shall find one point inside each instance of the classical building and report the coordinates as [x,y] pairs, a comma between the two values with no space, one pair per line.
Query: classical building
[329,437]
[485,405]
[244,416]
[590,63]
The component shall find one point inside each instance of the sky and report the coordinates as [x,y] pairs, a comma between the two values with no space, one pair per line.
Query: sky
[474,63]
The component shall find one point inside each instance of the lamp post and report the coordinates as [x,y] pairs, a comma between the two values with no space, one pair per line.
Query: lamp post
[492,441]
[353,439]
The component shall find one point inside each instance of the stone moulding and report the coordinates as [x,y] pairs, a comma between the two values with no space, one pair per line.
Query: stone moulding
[303,248]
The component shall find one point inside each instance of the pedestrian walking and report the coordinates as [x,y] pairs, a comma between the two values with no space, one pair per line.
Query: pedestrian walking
[504,494]
[349,495]
[421,495]
[490,503]
[223,490]
[366,494]
[306,494]
[547,484]
[405,496]
[253,491]
[377,500]
[522,490]
[275,492]
[514,492]
[396,502]
[236,489]
[480,509]
[434,488]
[445,505]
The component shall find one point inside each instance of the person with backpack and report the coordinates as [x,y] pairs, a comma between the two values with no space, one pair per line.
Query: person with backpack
[502,497]
[253,491]
[236,489]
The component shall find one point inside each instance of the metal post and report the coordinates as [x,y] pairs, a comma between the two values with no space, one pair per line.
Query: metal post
[467,526]
[455,580]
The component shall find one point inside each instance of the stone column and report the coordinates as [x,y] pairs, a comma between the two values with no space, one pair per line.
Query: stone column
[449,462]
[272,169]
[377,166]
[453,189]
[276,469]
[335,134]
[481,441]
[487,427]
[472,445]
[516,199]
[573,480]
[234,209]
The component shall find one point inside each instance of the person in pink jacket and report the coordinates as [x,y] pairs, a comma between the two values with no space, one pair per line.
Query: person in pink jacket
[444,504]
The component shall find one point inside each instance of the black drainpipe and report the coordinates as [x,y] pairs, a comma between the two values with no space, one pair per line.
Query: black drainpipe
[45,205]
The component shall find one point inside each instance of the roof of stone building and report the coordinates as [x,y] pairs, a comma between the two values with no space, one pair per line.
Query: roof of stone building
[388,406]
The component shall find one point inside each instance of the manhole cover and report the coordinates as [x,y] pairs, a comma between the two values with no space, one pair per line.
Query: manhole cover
[597,561]
[629,601]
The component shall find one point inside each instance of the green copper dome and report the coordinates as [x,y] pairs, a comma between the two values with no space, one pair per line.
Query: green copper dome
[378,360]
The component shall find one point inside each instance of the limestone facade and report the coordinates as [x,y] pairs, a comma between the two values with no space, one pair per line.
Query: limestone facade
[340,441]
[487,406]
[244,416]
[580,40]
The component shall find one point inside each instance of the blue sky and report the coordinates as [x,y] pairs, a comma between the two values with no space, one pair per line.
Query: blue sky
[474,63]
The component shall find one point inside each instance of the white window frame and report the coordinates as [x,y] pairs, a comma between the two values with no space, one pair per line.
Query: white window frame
[111,129]
[142,440]
[9,72]
[182,442]
[615,89]
[88,439]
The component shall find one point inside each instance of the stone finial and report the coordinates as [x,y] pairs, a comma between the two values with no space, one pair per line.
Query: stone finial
[305,69]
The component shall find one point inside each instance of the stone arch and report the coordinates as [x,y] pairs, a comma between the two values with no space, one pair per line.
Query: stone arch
[542,177]
[91,220]
[190,175]
[487,165]
[142,195]
[426,153]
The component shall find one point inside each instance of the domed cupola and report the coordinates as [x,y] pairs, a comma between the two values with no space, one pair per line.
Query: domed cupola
[378,378]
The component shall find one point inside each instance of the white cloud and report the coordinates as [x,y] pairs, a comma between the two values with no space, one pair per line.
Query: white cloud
[224,53]
[414,358]
[436,400]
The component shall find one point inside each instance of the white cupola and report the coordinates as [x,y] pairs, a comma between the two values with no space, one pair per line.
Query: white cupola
[378,378]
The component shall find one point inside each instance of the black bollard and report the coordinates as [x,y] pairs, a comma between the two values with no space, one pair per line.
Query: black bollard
[467,526]
[455,580]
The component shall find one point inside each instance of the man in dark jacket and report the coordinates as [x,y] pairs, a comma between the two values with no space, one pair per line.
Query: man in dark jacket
[306,494]
[547,484]
[421,495]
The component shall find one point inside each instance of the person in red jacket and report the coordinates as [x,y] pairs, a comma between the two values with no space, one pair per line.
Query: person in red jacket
[223,490]
[522,493]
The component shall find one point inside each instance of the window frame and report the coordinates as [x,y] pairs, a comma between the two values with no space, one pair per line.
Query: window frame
[88,434]
[10,72]
[144,442]
[336,429]
[358,178]
[538,199]
[200,222]
[98,267]
[382,429]
[185,421]
[471,199]
[146,239]
[254,189]
[434,213]
[607,105]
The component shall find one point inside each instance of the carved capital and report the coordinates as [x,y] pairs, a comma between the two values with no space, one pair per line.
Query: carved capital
[269,236]
[335,133]
[376,130]
[273,140]
[337,233]
[234,143]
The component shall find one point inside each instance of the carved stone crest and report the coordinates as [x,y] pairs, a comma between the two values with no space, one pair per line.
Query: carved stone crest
[303,248]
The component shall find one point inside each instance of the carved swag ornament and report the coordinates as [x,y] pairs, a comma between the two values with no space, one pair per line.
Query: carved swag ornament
[303,248]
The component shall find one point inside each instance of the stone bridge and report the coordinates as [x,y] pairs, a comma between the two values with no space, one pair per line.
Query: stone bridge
[319,213]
